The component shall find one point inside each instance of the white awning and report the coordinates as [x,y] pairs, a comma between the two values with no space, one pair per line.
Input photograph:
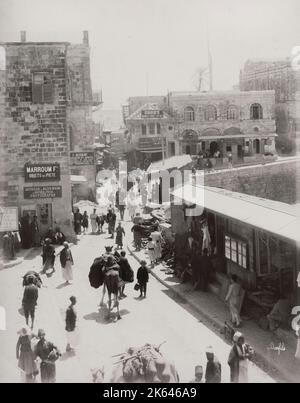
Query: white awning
[78,179]
[177,161]
[275,217]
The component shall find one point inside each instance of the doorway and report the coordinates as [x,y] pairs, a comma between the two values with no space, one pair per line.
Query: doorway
[44,215]
[257,146]
[213,148]
[240,152]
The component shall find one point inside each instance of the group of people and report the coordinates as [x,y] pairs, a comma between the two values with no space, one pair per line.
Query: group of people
[32,349]
[238,360]
[66,260]
[96,221]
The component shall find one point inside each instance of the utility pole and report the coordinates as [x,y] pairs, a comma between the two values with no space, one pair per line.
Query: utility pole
[210,67]
[147,84]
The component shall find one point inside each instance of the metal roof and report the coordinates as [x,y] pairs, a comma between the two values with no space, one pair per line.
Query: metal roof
[276,217]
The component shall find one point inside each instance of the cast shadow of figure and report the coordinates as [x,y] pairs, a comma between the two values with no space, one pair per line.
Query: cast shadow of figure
[63,285]
[33,253]
[101,315]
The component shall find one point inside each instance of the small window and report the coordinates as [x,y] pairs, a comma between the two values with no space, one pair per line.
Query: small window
[210,113]
[189,113]
[232,113]
[42,88]
[152,128]
[256,111]
[158,128]
[170,128]
[236,251]
[144,130]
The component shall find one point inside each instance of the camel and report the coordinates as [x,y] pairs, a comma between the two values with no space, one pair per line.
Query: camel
[139,365]
[112,283]
[104,271]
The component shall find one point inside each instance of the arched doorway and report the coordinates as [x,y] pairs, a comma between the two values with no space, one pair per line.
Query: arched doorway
[188,149]
[190,140]
[213,147]
[256,146]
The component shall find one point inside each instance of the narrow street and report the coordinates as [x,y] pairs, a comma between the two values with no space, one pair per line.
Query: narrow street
[157,319]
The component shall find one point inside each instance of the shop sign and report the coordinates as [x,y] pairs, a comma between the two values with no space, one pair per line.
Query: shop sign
[9,219]
[42,172]
[82,158]
[151,143]
[42,192]
[152,113]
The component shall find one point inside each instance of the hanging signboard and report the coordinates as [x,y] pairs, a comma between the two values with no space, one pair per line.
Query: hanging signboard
[42,172]
[42,192]
[152,113]
[82,158]
[9,219]
[148,143]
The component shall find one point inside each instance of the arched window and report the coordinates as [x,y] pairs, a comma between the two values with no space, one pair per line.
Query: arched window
[232,113]
[256,111]
[210,113]
[189,113]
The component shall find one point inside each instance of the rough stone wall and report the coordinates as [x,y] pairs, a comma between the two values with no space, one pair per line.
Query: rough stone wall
[34,132]
[278,76]
[79,109]
[274,181]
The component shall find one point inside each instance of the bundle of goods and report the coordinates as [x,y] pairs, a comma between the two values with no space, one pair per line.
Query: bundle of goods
[145,364]
[36,279]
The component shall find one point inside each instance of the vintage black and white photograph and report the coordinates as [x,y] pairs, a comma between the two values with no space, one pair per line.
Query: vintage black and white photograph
[149,193]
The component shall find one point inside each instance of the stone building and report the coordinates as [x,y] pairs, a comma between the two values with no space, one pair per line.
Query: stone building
[213,123]
[280,76]
[45,112]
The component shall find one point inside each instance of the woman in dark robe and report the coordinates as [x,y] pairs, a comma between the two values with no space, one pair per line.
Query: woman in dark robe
[48,354]
[35,233]
[26,232]
[25,355]
[48,256]
[77,221]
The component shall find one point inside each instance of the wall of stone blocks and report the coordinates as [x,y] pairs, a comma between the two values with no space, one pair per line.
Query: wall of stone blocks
[274,181]
[30,132]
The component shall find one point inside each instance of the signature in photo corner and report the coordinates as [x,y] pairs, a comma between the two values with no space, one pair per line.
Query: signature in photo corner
[279,348]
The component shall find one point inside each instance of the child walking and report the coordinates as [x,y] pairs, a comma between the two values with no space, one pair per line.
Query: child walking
[143,278]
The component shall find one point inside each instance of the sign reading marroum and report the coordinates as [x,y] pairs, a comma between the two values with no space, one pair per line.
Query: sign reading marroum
[42,192]
[82,158]
[42,172]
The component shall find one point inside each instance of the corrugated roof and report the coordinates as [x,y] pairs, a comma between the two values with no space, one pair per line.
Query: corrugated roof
[276,217]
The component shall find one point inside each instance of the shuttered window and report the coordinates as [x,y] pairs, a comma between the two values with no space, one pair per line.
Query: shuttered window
[42,88]
[236,251]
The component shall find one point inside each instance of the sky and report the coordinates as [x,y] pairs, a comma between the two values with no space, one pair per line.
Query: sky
[141,47]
